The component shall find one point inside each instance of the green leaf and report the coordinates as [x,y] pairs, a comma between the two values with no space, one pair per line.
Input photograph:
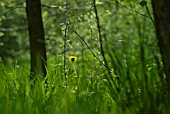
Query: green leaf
[143,3]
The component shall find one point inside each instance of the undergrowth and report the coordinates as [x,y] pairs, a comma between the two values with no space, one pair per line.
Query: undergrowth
[81,92]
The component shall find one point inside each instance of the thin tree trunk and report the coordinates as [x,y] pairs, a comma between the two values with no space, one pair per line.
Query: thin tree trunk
[161,10]
[36,38]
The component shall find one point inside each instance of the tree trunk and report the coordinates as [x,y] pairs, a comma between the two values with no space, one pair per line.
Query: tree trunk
[36,38]
[161,10]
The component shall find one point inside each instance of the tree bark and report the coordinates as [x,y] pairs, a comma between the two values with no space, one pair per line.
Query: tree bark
[36,38]
[161,10]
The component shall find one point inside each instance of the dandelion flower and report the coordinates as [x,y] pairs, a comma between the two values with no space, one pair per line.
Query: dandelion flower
[72,58]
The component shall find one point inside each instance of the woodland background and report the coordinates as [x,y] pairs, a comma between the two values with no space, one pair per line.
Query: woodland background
[125,75]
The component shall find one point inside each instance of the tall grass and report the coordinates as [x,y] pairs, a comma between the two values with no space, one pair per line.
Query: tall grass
[82,94]
[135,85]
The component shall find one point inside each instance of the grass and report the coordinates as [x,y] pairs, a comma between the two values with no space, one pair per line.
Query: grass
[76,95]
[136,84]
[90,93]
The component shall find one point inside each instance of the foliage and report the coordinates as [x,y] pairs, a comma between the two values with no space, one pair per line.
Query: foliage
[135,85]
[12,23]
[79,94]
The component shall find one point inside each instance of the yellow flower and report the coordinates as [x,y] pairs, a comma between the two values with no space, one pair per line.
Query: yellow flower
[72,58]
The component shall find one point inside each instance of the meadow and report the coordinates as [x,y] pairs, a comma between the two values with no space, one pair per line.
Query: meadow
[87,89]
[130,80]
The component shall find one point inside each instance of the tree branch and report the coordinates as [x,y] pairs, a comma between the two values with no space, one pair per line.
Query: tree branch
[87,46]
[100,36]
[133,10]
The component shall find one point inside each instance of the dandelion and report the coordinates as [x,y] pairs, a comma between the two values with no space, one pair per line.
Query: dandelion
[72,58]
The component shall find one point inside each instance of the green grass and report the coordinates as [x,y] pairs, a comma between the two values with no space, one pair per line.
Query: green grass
[135,86]
[84,92]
